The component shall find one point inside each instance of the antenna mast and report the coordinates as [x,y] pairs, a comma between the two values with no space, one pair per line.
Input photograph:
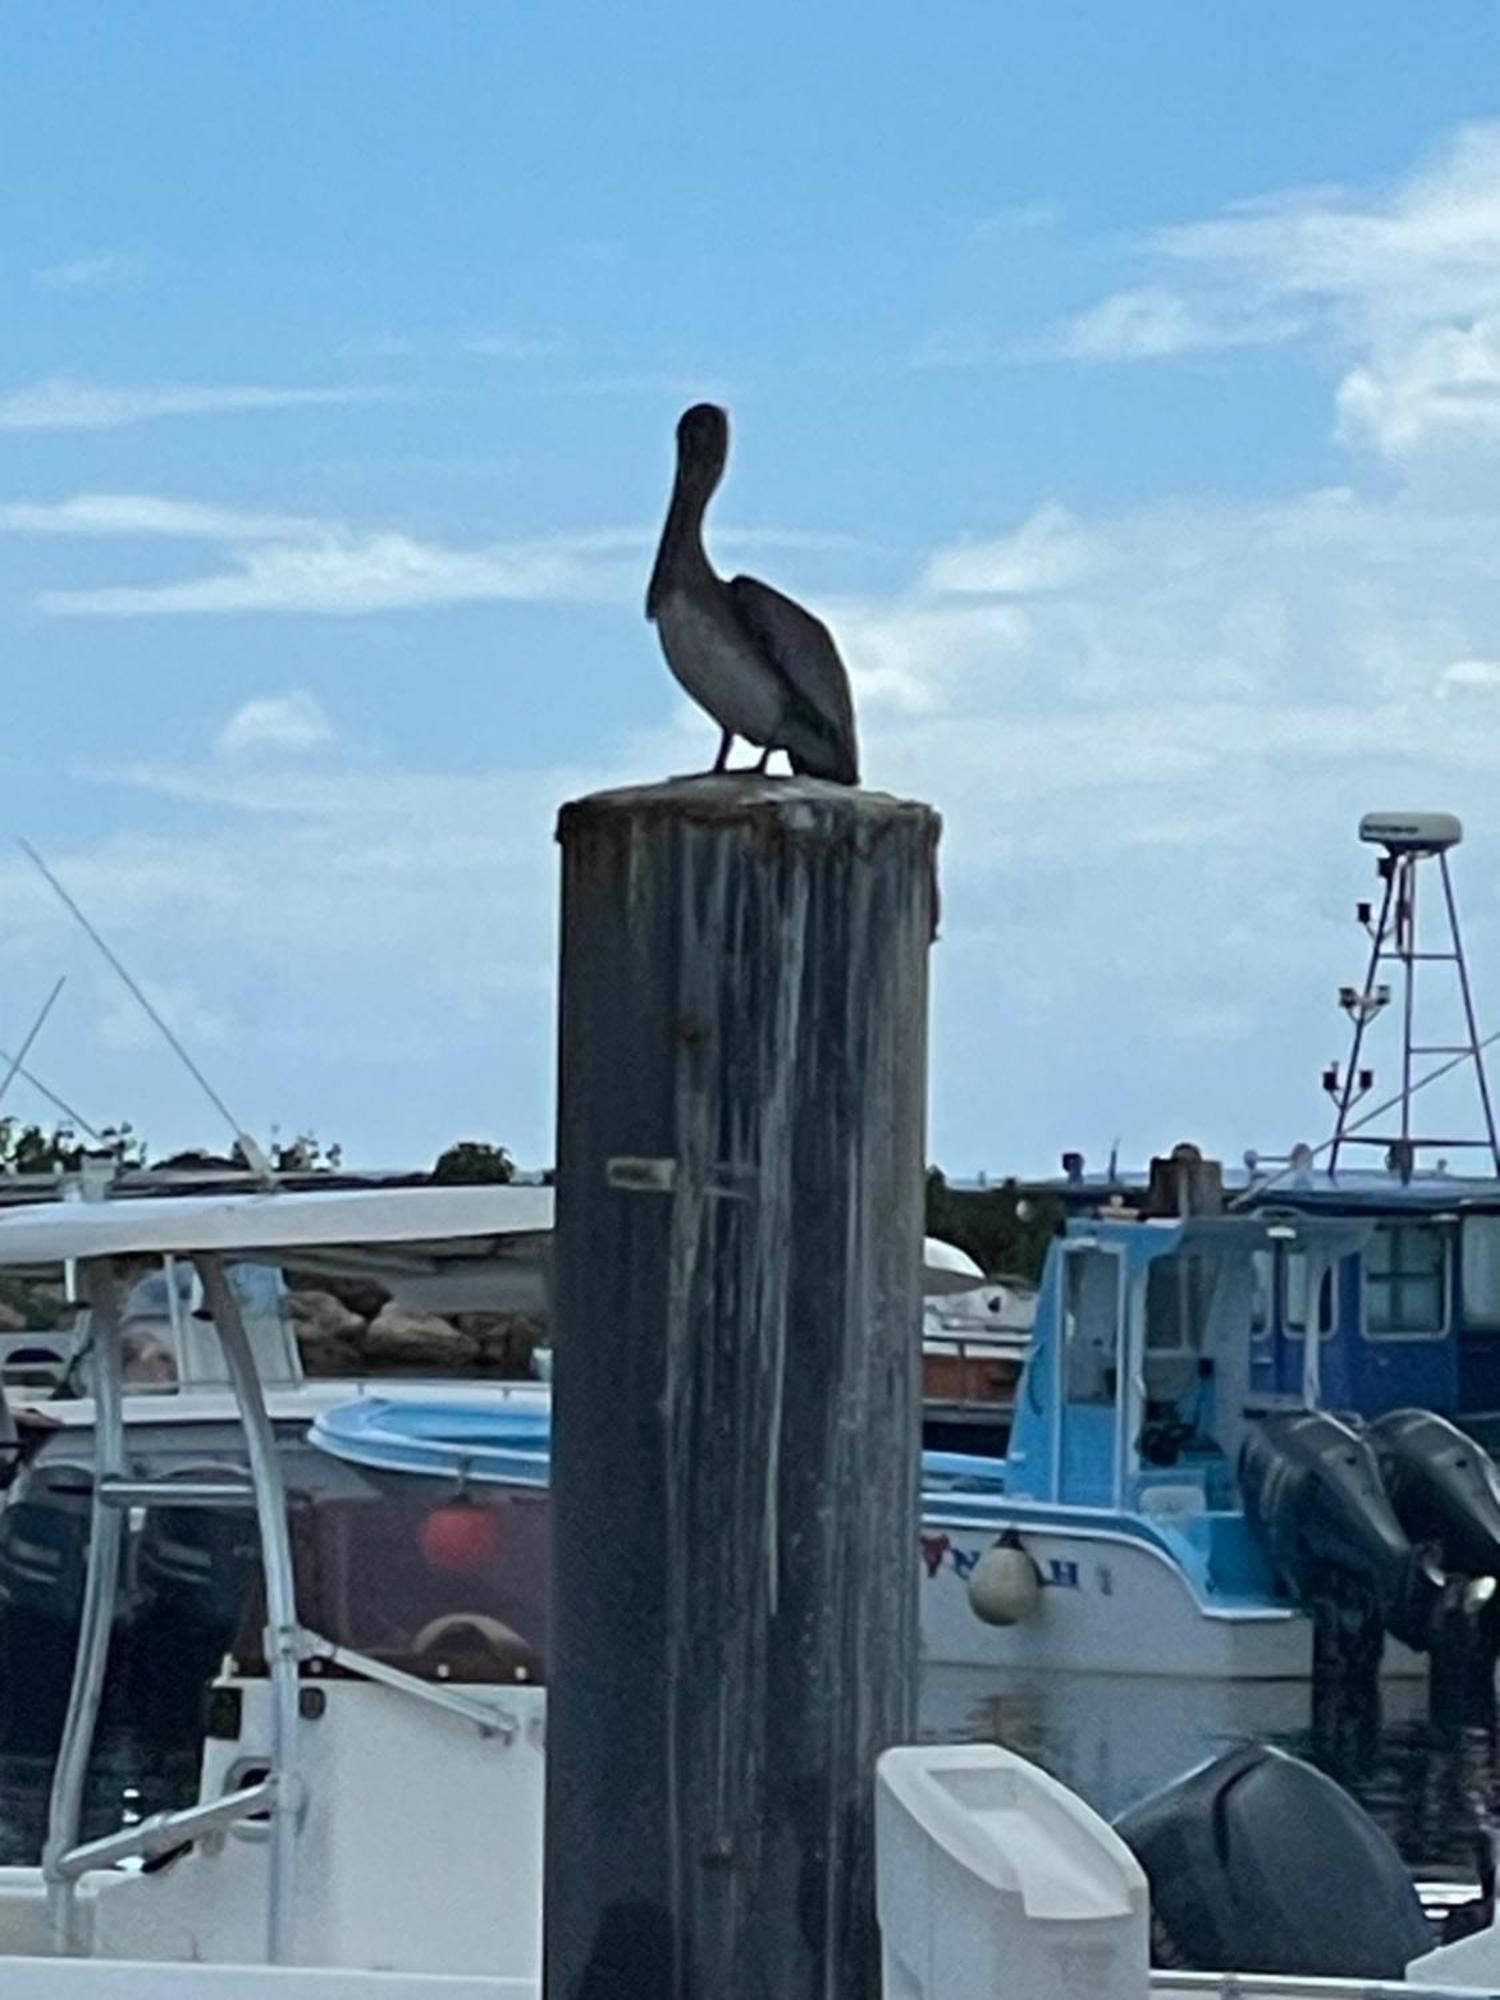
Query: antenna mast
[1409,840]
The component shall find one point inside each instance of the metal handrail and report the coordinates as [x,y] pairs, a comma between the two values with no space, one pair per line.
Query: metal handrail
[176,1492]
[100,1590]
[488,1721]
[283,1637]
[163,1831]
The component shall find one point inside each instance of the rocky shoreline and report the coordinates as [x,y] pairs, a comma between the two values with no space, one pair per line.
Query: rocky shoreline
[354,1327]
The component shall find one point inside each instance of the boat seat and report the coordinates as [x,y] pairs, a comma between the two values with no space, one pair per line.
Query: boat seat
[1170,1494]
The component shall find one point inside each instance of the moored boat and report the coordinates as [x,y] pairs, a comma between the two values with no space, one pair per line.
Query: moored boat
[1170,1504]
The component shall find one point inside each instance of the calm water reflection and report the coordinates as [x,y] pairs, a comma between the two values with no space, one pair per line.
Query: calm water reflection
[1111,1737]
[1114,1738]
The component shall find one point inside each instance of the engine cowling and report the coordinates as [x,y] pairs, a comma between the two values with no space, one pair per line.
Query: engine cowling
[1444,1487]
[1313,1495]
[1259,1863]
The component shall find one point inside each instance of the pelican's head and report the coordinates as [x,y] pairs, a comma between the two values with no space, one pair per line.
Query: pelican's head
[703,441]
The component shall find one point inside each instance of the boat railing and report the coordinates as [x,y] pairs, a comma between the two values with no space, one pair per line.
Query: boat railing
[1276,1986]
[488,1720]
[278,1796]
[163,1831]
[115,1493]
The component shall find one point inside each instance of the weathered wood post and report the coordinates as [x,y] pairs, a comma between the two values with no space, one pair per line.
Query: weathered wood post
[736,1429]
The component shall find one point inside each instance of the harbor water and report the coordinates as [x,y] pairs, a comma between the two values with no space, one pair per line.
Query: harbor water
[1115,1738]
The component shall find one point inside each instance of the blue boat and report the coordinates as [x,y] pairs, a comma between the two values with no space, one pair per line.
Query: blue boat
[1120,1485]
[438,1437]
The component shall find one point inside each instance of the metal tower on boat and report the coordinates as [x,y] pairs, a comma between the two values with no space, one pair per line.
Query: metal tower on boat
[1409,840]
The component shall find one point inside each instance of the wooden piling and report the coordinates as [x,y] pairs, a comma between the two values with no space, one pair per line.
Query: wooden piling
[736,1416]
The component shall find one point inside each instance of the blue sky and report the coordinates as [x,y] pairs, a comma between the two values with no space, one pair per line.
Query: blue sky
[1123,384]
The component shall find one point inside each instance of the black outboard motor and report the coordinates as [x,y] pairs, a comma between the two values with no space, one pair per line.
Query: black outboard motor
[194,1570]
[44,1539]
[1444,1487]
[1259,1863]
[1313,1495]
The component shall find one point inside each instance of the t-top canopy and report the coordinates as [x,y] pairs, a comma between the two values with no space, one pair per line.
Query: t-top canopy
[281,1227]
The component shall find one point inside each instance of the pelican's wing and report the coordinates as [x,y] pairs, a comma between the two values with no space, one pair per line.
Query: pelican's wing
[820,711]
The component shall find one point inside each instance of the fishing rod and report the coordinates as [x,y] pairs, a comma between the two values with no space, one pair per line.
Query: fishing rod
[257,1160]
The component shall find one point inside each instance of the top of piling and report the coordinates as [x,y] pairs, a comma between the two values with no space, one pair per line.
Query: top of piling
[724,799]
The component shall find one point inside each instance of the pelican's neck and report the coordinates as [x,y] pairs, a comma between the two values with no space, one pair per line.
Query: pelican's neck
[680,557]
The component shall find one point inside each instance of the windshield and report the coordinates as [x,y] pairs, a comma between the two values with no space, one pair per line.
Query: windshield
[443,1585]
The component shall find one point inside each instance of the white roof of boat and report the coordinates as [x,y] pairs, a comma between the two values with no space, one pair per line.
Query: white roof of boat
[282,1222]
[57,1231]
[946,1268]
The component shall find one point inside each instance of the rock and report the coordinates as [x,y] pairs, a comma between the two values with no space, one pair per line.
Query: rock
[321,1315]
[325,1354]
[396,1338]
[330,1337]
[506,1339]
[364,1296]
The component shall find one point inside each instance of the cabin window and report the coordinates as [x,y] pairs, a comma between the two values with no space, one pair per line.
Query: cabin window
[1177,1297]
[1480,1254]
[1091,1290]
[1296,1302]
[1406,1266]
[1262,1293]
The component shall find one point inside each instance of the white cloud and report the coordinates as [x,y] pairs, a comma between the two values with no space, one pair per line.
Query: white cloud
[63,402]
[286,723]
[907,657]
[1442,386]
[126,514]
[1480,675]
[104,272]
[1048,552]
[350,574]
[1150,323]
[1400,285]
[297,563]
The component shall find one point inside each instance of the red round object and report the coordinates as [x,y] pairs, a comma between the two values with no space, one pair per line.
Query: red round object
[461,1537]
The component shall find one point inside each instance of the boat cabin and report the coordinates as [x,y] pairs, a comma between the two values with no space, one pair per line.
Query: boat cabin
[1408,1312]
[1406,1307]
[1146,1367]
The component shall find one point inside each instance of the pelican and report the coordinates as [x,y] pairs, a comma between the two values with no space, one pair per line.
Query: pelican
[764,668]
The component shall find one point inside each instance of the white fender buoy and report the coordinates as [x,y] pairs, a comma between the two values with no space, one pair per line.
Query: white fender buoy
[1005,1586]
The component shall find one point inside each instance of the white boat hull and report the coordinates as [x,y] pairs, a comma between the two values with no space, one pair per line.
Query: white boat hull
[1110,1603]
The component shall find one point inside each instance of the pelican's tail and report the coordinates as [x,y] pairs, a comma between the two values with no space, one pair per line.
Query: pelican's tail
[816,749]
